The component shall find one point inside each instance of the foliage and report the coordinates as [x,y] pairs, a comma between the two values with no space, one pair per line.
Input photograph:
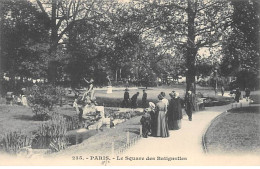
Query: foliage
[241,45]
[52,134]
[24,31]
[42,98]
[12,142]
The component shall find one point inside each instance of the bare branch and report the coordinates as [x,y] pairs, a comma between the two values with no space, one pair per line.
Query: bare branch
[41,7]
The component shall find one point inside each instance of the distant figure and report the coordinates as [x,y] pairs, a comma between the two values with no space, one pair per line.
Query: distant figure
[247,91]
[237,95]
[189,104]
[162,124]
[90,91]
[153,118]
[144,99]
[134,100]
[222,90]
[109,81]
[174,112]
[146,123]
[126,100]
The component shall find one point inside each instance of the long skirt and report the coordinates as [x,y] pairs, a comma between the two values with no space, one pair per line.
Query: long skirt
[176,124]
[162,125]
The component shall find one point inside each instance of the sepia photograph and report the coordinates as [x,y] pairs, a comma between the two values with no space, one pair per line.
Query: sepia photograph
[129,83]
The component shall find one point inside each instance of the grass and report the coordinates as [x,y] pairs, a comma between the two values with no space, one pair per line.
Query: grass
[17,118]
[235,132]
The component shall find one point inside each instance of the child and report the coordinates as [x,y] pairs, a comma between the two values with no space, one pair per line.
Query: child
[146,123]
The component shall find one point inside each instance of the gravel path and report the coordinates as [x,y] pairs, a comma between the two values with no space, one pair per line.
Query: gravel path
[184,146]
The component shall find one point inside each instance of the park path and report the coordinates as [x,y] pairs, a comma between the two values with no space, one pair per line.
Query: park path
[184,143]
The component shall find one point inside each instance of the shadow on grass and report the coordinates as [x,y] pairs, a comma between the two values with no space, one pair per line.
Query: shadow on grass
[24,117]
[251,109]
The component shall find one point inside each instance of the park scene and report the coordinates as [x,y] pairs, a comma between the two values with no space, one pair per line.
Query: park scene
[109,82]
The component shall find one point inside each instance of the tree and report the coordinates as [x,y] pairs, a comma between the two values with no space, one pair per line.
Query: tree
[24,35]
[192,24]
[63,16]
[241,45]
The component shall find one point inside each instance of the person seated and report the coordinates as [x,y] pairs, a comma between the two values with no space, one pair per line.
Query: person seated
[146,123]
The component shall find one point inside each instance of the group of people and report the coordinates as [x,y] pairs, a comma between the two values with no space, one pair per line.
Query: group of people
[132,102]
[237,93]
[166,115]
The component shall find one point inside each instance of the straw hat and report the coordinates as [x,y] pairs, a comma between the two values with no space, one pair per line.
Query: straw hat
[152,105]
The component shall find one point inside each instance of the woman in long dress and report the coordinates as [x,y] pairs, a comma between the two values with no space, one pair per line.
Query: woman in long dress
[162,124]
[174,112]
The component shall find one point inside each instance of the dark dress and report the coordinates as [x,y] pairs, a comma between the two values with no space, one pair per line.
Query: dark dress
[153,122]
[174,114]
[126,99]
[162,125]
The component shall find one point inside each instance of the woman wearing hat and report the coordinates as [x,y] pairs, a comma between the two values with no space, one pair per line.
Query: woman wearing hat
[174,112]
[153,118]
[162,125]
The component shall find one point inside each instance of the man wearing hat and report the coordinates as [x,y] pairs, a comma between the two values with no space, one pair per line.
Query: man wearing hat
[144,99]
[126,98]
[189,104]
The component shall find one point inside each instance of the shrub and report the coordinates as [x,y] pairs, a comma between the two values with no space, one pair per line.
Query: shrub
[12,142]
[52,134]
[42,98]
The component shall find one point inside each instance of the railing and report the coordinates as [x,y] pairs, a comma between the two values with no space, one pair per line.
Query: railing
[129,143]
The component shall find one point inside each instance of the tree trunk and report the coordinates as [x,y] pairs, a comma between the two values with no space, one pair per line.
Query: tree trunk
[191,50]
[52,65]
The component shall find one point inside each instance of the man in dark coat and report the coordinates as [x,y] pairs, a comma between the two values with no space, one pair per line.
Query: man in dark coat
[189,104]
[237,95]
[144,99]
[126,98]
[134,100]
[247,93]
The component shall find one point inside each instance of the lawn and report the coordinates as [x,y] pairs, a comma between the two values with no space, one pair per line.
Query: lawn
[235,132]
[17,118]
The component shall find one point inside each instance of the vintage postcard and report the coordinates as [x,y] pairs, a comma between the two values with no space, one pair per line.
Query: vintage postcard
[129,83]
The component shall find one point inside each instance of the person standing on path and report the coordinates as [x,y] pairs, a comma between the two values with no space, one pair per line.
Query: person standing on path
[189,104]
[222,90]
[174,112]
[162,124]
[144,99]
[146,123]
[237,95]
[134,100]
[247,93]
[153,118]
[126,98]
